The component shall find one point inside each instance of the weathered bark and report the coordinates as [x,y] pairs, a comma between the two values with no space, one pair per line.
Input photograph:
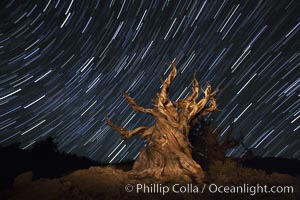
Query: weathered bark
[167,156]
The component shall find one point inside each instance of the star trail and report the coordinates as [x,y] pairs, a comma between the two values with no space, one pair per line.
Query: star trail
[65,63]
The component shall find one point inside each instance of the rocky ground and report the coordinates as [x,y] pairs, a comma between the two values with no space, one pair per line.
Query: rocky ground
[109,183]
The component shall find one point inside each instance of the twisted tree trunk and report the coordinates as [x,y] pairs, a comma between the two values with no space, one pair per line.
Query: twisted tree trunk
[167,156]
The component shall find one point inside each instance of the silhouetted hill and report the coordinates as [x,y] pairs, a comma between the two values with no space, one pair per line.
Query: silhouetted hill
[270,165]
[44,160]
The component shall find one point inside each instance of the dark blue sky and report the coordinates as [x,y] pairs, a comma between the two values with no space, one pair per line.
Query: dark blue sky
[63,64]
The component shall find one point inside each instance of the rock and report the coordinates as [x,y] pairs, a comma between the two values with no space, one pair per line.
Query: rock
[23,180]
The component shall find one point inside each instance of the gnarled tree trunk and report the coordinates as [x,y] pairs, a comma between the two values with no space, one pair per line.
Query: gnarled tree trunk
[167,156]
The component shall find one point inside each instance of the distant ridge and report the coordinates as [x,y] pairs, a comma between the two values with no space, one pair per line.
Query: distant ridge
[269,164]
[44,160]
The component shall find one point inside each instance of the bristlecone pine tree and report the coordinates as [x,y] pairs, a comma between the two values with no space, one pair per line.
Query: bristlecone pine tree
[167,156]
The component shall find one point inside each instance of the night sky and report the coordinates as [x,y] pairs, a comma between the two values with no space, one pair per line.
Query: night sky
[65,63]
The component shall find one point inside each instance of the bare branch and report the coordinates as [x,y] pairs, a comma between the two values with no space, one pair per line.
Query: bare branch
[163,95]
[124,132]
[135,106]
[202,103]
[212,106]
[195,89]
